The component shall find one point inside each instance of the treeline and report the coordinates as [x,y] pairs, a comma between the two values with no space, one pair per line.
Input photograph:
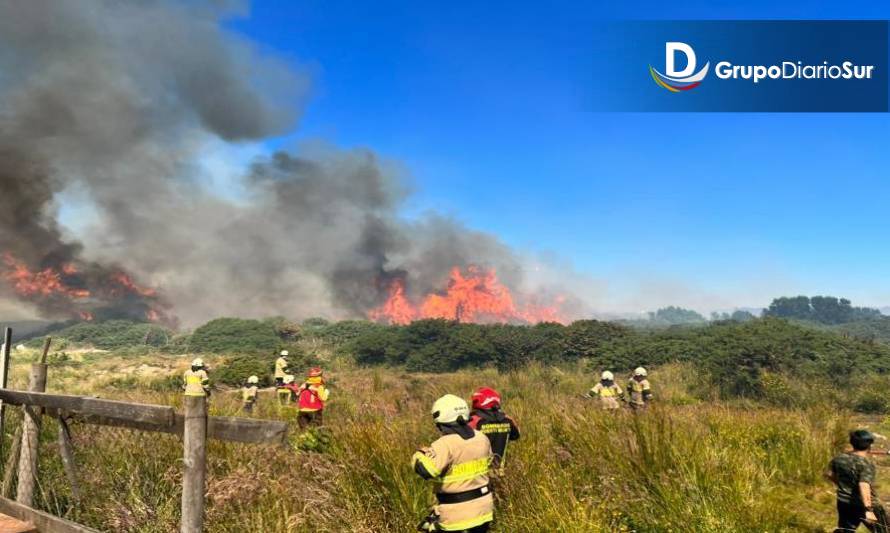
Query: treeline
[734,356]
[821,309]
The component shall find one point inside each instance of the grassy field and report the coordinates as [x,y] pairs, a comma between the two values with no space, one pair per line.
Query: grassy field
[690,464]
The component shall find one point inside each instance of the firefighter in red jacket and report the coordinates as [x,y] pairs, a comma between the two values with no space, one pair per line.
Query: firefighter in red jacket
[488,418]
[312,397]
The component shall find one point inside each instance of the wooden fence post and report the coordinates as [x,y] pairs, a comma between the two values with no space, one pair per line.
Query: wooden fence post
[4,378]
[194,444]
[30,439]
[66,450]
[12,463]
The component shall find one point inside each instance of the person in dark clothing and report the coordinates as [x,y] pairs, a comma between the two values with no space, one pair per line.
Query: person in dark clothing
[854,475]
[488,418]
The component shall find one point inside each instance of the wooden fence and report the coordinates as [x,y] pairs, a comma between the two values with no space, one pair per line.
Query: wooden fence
[193,425]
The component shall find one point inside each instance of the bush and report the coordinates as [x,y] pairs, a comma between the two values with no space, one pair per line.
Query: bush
[228,335]
[235,371]
[109,335]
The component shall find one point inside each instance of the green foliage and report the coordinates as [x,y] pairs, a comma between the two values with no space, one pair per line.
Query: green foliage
[821,309]
[235,371]
[315,323]
[229,335]
[585,338]
[676,315]
[872,329]
[345,331]
[739,315]
[317,440]
[109,335]
[737,358]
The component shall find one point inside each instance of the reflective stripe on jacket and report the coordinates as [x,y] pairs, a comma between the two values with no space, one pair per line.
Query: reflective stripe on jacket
[196,382]
[602,391]
[498,427]
[248,394]
[280,367]
[459,465]
[313,397]
[639,391]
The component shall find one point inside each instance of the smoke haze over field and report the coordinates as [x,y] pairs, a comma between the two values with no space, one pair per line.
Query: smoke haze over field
[116,101]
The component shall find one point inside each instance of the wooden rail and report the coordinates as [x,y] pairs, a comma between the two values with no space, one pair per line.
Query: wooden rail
[194,426]
[45,522]
[145,417]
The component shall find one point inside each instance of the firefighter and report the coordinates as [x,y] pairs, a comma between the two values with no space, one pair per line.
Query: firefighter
[488,418]
[249,393]
[639,388]
[196,381]
[285,391]
[281,368]
[458,462]
[607,391]
[854,475]
[312,396]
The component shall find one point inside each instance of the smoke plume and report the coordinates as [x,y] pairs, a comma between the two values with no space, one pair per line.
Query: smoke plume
[115,101]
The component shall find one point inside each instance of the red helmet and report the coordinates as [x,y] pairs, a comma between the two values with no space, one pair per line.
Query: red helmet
[314,372]
[486,398]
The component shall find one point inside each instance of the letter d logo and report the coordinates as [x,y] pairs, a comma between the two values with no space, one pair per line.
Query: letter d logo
[670,52]
[676,81]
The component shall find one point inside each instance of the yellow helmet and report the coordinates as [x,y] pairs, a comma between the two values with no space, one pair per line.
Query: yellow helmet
[289,378]
[607,375]
[640,371]
[253,380]
[197,362]
[450,409]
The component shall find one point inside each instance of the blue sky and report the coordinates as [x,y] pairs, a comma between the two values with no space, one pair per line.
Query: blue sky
[486,106]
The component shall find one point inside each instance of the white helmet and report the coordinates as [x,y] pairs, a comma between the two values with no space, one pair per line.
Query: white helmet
[284,353]
[197,362]
[289,378]
[450,409]
[640,371]
[253,380]
[607,375]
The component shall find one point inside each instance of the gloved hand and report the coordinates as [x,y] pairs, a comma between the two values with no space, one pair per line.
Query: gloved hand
[430,523]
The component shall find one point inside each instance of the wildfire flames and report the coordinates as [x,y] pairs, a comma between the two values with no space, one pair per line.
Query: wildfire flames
[68,291]
[474,296]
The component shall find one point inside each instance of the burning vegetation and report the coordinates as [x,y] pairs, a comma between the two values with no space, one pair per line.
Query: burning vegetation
[122,132]
[82,292]
[472,295]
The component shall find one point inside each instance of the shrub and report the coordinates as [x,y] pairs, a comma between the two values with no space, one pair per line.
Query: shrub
[228,335]
[109,335]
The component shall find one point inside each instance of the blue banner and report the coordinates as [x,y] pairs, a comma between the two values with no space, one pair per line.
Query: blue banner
[757,66]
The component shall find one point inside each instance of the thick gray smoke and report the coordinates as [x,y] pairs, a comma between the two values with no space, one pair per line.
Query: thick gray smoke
[116,100]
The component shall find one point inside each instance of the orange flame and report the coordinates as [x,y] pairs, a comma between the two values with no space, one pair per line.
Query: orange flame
[44,283]
[477,296]
[61,289]
[127,283]
[397,309]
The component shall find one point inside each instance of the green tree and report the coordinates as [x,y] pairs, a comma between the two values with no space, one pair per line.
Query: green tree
[229,335]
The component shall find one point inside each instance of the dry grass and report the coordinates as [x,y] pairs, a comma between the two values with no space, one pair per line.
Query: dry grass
[683,466]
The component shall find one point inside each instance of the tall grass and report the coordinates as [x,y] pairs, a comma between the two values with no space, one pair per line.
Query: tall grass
[685,465]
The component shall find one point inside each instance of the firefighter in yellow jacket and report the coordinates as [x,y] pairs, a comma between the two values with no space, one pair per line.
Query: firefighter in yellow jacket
[281,369]
[607,391]
[458,463]
[639,388]
[197,383]
[249,393]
